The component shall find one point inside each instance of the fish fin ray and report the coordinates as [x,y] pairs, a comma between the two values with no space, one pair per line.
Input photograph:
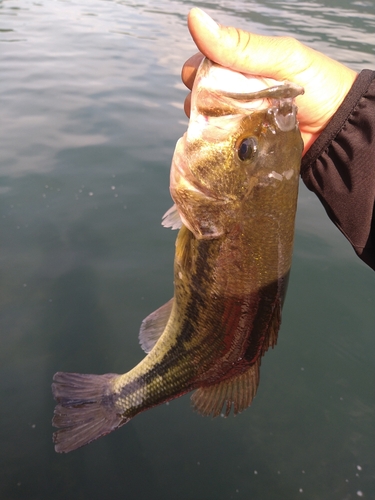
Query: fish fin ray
[153,326]
[84,412]
[172,218]
[236,392]
[273,330]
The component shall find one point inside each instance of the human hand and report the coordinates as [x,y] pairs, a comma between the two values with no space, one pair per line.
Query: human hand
[326,82]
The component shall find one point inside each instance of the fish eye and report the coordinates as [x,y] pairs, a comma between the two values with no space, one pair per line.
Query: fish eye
[247,148]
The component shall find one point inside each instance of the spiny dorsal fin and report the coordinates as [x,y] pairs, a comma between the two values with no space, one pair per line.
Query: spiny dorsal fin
[237,391]
[153,326]
[172,218]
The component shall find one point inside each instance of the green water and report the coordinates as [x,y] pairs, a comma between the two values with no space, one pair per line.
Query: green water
[91,108]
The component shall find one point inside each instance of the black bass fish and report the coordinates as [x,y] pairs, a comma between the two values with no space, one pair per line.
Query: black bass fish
[234,181]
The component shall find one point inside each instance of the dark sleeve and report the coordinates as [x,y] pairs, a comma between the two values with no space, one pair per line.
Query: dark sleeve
[340,167]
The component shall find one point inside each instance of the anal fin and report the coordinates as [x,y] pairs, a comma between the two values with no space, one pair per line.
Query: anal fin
[237,392]
[273,329]
[153,326]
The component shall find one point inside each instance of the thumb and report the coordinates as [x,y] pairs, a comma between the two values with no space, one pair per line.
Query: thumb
[281,58]
[274,57]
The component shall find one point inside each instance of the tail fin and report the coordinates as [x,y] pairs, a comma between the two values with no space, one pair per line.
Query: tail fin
[85,410]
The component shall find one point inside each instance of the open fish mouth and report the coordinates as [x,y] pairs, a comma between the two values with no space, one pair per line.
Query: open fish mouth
[282,108]
[221,80]
[215,97]
[278,100]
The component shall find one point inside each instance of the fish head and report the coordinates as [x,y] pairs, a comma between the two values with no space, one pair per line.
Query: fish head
[242,135]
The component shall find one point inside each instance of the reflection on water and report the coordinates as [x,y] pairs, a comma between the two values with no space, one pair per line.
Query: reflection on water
[91,110]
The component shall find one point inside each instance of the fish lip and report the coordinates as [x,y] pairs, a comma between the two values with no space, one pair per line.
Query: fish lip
[273,89]
[284,90]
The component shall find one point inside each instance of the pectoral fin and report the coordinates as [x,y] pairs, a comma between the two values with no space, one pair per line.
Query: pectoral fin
[237,392]
[153,326]
[172,218]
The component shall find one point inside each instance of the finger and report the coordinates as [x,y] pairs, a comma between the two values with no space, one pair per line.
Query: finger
[189,69]
[247,52]
[187,105]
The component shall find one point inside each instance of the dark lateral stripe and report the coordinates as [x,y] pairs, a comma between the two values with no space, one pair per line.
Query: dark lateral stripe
[192,314]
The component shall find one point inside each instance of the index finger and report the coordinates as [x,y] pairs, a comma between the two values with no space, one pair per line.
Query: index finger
[189,69]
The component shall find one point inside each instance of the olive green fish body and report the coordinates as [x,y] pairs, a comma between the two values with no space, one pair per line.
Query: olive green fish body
[234,181]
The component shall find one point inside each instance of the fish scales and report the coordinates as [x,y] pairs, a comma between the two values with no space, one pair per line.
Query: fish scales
[234,181]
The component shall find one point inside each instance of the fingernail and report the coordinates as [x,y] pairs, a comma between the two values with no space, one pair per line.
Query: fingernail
[207,20]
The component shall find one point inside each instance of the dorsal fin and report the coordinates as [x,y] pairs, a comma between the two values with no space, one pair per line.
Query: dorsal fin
[172,218]
[237,391]
[153,326]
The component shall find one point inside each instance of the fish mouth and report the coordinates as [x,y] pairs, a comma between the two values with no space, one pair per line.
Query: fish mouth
[249,87]
[214,96]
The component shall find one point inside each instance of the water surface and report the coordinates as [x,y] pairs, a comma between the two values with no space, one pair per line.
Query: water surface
[91,108]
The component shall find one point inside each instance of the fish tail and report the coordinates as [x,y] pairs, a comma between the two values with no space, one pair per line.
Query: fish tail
[85,410]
